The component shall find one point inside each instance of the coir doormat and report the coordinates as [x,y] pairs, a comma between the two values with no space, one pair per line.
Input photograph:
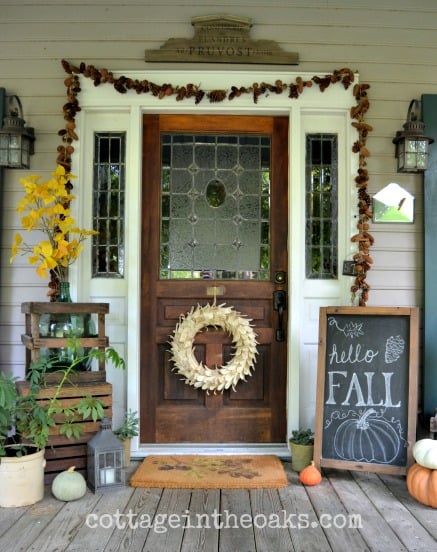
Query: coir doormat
[210,472]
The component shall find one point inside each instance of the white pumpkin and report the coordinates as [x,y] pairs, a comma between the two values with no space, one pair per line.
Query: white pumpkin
[69,485]
[424,452]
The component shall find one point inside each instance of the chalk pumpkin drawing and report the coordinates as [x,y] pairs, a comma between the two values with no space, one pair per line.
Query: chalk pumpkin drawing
[367,437]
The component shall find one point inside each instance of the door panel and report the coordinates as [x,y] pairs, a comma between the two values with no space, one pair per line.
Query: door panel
[170,410]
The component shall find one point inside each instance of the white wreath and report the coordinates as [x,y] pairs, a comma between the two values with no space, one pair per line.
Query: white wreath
[196,373]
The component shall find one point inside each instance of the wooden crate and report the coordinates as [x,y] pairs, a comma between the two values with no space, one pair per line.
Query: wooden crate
[33,342]
[62,452]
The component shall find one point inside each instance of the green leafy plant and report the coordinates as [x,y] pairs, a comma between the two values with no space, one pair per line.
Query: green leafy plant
[26,420]
[302,437]
[129,428]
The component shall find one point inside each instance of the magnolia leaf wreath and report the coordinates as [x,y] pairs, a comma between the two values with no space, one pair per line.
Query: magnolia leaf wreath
[221,377]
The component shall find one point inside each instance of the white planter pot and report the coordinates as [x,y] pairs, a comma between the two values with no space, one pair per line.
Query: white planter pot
[22,479]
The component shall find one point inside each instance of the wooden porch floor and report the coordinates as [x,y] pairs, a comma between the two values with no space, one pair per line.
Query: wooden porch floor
[349,511]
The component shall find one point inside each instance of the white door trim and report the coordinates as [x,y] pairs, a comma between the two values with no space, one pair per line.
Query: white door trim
[102,108]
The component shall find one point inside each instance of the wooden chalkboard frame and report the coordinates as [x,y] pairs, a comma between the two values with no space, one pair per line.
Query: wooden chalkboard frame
[412,315]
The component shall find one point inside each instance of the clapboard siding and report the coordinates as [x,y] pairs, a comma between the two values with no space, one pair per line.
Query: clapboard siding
[390,43]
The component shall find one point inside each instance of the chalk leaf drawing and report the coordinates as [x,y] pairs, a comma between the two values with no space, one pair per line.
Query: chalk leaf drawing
[394,348]
[351,329]
[368,437]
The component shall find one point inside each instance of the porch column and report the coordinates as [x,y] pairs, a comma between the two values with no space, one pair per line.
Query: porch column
[2,111]
[429,379]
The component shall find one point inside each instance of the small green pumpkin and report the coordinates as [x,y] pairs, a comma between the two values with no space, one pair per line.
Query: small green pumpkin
[69,485]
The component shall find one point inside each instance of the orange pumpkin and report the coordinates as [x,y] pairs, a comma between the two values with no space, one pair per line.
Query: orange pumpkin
[310,475]
[422,485]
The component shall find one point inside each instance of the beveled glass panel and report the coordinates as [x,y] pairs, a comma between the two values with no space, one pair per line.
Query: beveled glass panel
[204,156]
[182,156]
[227,156]
[179,206]
[215,206]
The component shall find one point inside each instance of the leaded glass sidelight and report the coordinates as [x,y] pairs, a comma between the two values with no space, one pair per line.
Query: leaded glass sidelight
[321,209]
[215,206]
[108,204]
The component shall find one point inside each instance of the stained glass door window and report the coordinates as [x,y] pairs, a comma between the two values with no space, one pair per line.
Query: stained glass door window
[215,206]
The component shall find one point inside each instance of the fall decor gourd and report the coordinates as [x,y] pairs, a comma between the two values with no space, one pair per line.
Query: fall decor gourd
[424,452]
[422,484]
[310,475]
[69,485]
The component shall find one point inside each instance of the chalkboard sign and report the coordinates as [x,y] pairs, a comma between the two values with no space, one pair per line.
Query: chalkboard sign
[366,388]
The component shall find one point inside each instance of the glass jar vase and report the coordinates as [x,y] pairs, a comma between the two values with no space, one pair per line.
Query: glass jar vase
[66,325]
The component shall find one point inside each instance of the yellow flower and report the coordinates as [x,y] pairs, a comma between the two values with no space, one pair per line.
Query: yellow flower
[43,269]
[31,221]
[30,184]
[44,248]
[45,207]
[16,246]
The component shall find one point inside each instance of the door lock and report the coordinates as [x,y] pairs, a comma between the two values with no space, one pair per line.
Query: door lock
[279,305]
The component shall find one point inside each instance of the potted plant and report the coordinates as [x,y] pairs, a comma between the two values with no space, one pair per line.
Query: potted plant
[126,431]
[301,445]
[26,423]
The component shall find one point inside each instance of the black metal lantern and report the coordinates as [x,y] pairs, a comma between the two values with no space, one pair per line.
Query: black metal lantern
[105,460]
[16,140]
[412,144]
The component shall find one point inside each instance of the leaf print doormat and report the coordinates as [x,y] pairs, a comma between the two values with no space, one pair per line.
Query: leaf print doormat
[210,472]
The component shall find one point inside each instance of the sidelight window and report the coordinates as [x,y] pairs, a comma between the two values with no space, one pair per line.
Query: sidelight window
[109,180]
[321,206]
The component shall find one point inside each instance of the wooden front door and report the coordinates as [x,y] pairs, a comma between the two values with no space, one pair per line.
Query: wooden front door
[214,204]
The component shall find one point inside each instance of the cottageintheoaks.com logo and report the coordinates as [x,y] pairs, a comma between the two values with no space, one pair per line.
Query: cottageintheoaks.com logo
[161,523]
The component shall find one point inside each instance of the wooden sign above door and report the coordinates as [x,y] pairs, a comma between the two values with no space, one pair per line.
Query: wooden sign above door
[222,39]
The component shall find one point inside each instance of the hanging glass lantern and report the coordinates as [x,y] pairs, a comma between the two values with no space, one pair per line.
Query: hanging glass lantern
[105,460]
[412,144]
[16,140]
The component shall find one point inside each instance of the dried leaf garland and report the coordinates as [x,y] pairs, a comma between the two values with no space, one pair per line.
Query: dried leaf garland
[363,261]
[221,377]
[344,76]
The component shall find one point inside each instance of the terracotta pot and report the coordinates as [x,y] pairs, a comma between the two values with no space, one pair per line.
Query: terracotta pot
[22,479]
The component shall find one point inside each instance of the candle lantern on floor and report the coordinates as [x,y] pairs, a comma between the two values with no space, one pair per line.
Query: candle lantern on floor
[105,460]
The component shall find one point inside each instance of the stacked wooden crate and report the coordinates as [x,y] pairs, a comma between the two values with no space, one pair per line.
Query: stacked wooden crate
[61,451]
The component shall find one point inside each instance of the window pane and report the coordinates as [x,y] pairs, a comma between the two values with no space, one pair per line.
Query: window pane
[108,204]
[215,207]
[321,206]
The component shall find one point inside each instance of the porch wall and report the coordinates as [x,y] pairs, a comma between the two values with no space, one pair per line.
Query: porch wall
[390,43]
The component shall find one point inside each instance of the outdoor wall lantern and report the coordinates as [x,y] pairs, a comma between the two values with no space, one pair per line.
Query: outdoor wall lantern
[412,144]
[105,460]
[16,140]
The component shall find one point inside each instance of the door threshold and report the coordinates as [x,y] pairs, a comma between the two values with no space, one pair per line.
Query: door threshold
[276,449]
